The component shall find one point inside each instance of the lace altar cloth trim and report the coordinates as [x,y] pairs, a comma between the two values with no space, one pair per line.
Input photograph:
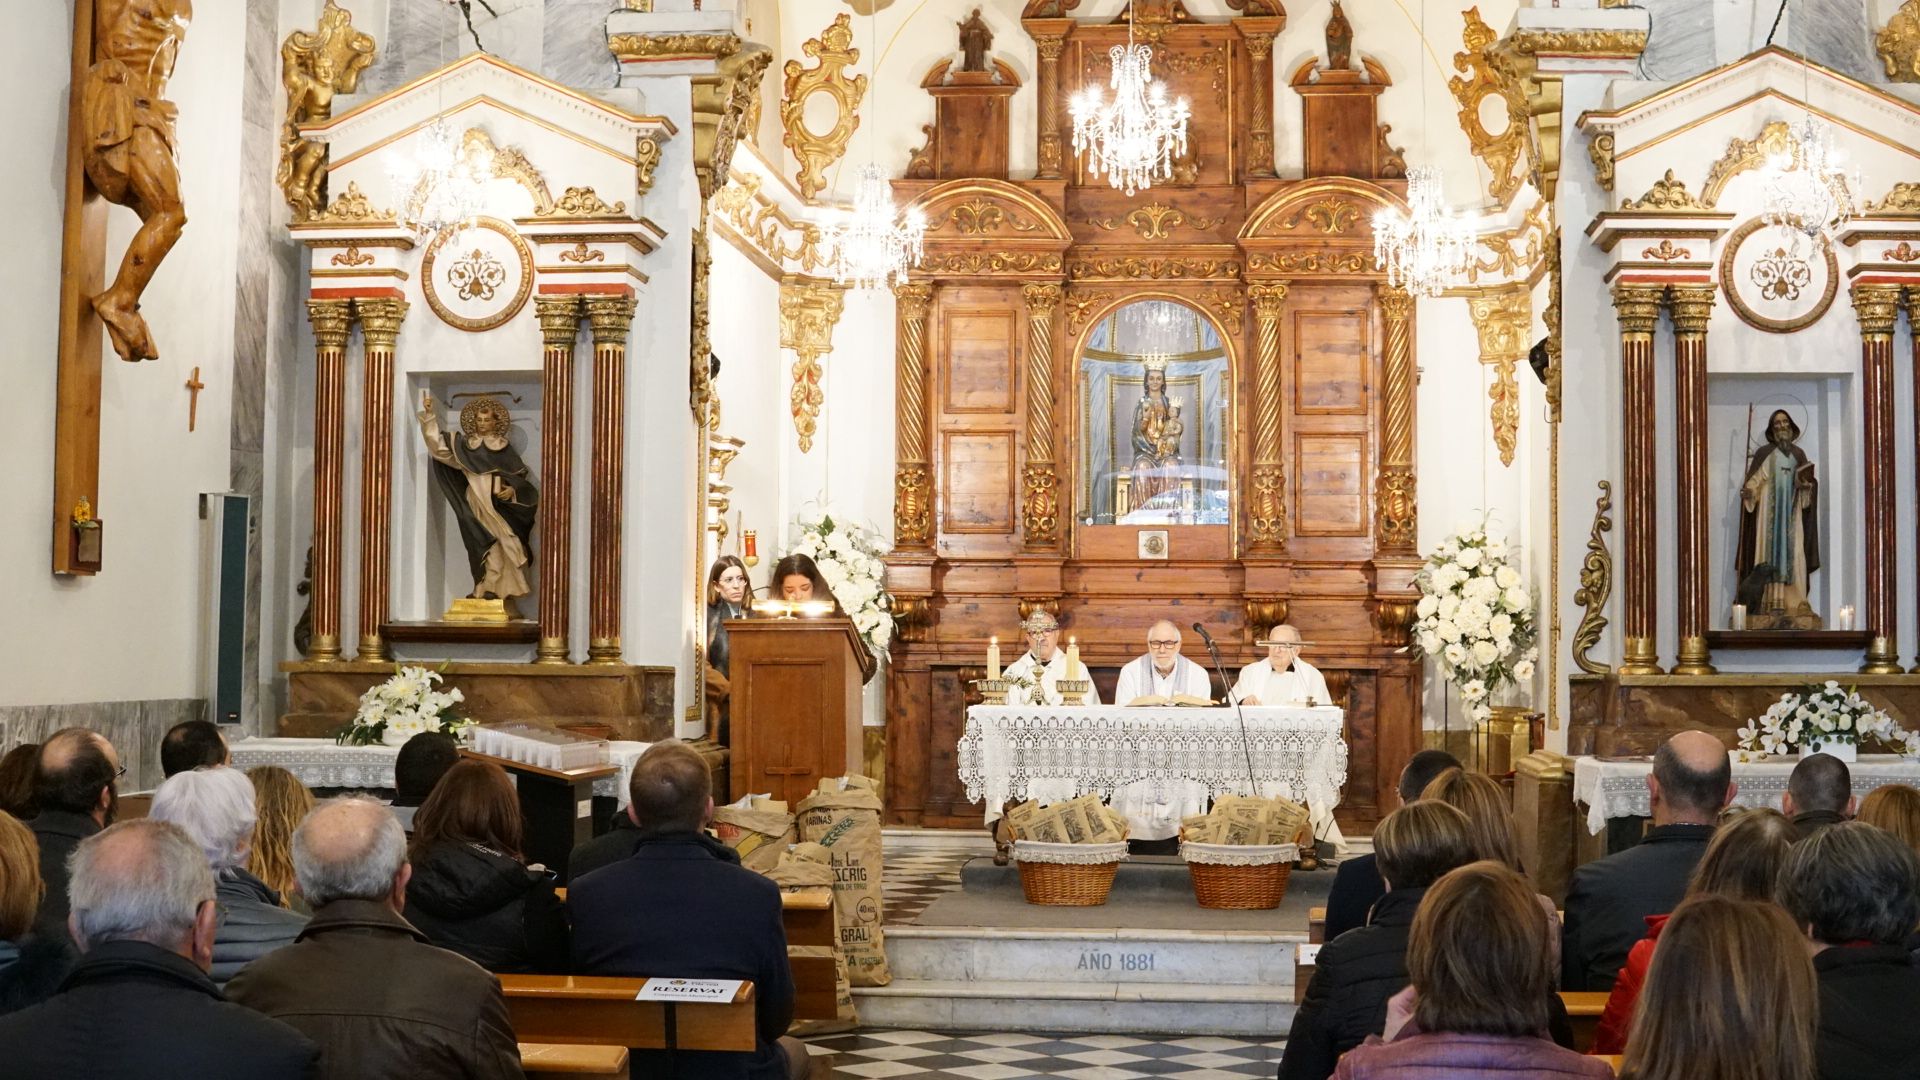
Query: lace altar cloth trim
[324,763]
[1614,789]
[1019,752]
[1239,854]
[1068,854]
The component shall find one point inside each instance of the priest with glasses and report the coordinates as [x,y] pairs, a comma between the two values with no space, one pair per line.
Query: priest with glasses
[1034,676]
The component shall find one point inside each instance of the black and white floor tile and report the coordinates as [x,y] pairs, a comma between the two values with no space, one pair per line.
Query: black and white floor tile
[878,1055]
[919,871]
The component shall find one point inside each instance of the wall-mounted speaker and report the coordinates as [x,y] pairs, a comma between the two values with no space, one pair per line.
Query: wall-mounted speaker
[226,525]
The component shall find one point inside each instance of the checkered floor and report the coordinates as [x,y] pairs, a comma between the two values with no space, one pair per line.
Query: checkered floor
[881,1054]
[920,869]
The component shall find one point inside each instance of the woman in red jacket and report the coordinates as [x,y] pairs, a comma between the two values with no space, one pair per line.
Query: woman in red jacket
[1741,863]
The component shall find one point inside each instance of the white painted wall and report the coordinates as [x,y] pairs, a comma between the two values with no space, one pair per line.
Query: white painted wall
[132,631]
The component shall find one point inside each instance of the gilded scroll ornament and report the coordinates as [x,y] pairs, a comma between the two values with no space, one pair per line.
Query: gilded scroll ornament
[1666,252]
[912,617]
[1667,193]
[763,224]
[1396,523]
[353,206]
[1898,43]
[580,202]
[1312,262]
[1269,506]
[1330,215]
[981,215]
[833,52]
[807,316]
[1600,152]
[353,256]
[1504,152]
[920,161]
[1905,253]
[313,68]
[1596,584]
[1607,43]
[1551,317]
[1040,504]
[1397,495]
[673,46]
[1156,221]
[993,262]
[1229,303]
[1154,269]
[1393,617]
[720,104]
[1081,306]
[646,158]
[1776,138]
[1502,320]
[911,522]
[1903,199]
[581,253]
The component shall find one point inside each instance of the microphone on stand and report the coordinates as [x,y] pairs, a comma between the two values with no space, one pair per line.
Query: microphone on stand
[1246,745]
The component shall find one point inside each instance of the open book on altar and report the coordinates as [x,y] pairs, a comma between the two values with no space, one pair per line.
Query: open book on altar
[1171,699]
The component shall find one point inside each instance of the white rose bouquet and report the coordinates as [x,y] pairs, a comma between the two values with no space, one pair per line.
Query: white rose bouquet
[1825,715]
[404,706]
[849,558]
[1476,618]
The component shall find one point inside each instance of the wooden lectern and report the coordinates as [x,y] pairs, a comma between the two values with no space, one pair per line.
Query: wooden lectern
[795,705]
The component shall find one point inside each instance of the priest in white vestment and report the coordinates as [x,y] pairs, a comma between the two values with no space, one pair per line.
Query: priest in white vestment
[1282,678]
[1044,664]
[1153,809]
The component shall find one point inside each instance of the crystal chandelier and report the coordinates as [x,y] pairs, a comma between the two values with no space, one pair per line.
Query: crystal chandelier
[443,185]
[873,245]
[1808,191]
[1135,138]
[1422,249]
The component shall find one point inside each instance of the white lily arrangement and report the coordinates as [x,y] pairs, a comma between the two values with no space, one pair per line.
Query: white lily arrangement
[1476,618]
[849,558]
[404,706]
[1823,715]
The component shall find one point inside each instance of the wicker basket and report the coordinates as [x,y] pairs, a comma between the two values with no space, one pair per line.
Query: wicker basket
[1237,877]
[1067,875]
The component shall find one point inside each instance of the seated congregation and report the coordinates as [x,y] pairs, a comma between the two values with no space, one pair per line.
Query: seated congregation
[240,929]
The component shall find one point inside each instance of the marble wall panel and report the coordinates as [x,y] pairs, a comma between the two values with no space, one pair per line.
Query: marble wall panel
[133,727]
[575,45]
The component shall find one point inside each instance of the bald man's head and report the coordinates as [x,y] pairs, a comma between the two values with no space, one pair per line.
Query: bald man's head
[1692,776]
[349,849]
[75,773]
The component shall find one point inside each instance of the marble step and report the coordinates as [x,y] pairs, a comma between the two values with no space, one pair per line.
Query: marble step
[1092,1007]
[1129,958]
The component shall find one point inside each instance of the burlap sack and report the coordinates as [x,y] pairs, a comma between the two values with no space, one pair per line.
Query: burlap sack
[759,834]
[803,868]
[843,816]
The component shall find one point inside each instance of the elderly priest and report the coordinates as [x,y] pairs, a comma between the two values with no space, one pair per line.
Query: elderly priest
[1153,808]
[1162,674]
[1282,678]
[1033,675]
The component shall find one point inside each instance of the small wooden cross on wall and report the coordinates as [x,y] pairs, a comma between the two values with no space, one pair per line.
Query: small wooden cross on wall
[194,386]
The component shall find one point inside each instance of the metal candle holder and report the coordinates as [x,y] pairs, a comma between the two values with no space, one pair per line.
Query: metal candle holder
[993,691]
[1073,691]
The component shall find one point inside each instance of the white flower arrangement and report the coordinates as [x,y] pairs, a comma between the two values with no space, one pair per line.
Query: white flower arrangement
[849,558]
[404,706]
[1824,715]
[1475,618]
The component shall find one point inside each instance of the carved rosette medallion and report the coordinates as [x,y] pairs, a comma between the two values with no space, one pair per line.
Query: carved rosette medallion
[477,277]
[1771,283]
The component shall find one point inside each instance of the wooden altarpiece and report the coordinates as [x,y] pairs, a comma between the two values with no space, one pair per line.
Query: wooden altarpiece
[1321,412]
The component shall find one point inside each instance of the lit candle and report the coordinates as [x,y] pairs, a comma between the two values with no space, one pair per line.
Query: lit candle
[993,658]
[1073,658]
[750,543]
[1739,620]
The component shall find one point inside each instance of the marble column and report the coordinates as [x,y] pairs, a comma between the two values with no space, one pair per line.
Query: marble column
[1040,483]
[1877,307]
[559,328]
[1396,520]
[332,320]
[1267,511]
[1638,309]
[380,320]
[912,491]
[612,317]
[1690,308]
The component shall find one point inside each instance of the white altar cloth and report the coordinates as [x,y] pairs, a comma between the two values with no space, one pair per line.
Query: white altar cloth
[1613,789]
[324,763]
[1154,765]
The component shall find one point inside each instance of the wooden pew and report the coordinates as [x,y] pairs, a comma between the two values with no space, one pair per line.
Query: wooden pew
[809,921]
[1583,1012]
[1316,925]
[543,1060]
[595,1011]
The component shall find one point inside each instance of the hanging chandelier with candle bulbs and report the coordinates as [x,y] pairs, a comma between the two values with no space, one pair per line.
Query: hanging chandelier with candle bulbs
[1422,249]
[442,184]
[1807,188]
[874,246]
[1133,139]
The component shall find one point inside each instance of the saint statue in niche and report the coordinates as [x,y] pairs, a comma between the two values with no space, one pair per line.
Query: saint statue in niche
[491,492]
[1779,531]
[976,37]
[1157,428]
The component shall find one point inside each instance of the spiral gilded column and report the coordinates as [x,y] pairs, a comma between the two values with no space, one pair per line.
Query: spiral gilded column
[380,320]
[332,320]
[1260,119]
[1690,307]
[611,317]
[1267,508]
[1396,509]
[1040,479]
[559,329]
[912,492]
[1638,309]
[1878,307]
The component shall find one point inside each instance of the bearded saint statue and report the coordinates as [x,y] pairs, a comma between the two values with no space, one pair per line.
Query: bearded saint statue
[490,490]
[1779,526]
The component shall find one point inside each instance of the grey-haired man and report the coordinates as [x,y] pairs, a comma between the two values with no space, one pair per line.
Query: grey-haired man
[1044,664]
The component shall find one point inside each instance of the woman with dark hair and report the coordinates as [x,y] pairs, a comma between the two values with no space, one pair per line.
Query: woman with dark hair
[1743,862]
[1730,996]
[1478,962]
[470,891]
[728,593]
[797,577]
[16,781]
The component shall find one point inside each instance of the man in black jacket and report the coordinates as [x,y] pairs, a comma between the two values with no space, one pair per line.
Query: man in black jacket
[1856,890]
[73,783]
[1819,794]
[1356,884]
[1609,899]
[1355,975]
[621,841]
[140,1003]
[629,919]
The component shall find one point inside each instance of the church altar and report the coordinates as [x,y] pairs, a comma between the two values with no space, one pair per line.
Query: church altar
[1617,789]
[323,763]
[1057,753]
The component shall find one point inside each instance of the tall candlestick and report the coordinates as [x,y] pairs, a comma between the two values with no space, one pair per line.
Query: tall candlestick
[993,658]
[1073,658]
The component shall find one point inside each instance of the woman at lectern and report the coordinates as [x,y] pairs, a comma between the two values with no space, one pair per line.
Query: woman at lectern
[797,577]
[728,596]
